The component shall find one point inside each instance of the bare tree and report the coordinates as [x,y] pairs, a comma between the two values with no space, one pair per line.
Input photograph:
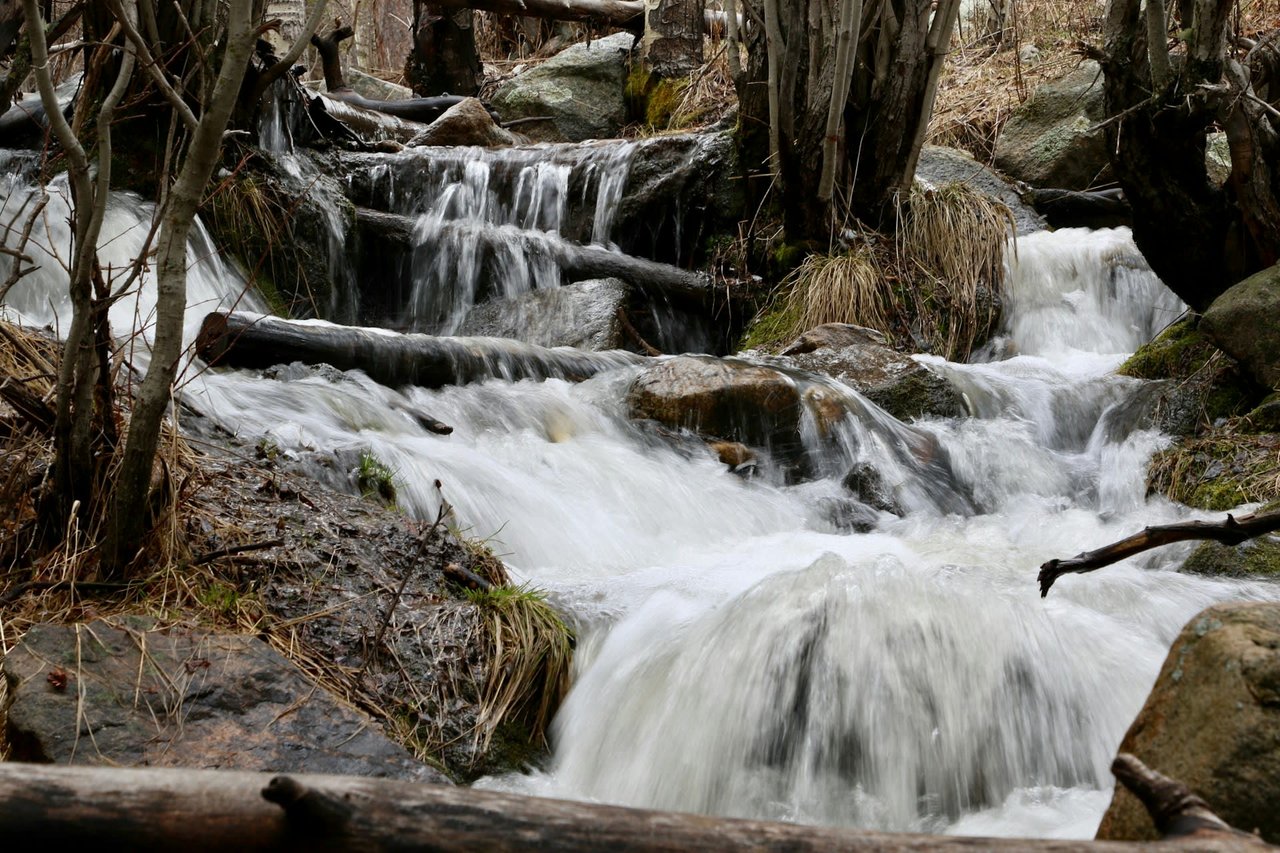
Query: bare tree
[1172,75]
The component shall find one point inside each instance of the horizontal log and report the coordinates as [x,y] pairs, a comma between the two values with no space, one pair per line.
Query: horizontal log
[364,124]
[576,262]
[623,14]
[146,809]
[428,361]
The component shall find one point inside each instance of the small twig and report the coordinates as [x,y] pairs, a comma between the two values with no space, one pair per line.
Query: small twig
[237,549]
[423,542]
[1231,531]
[633,333]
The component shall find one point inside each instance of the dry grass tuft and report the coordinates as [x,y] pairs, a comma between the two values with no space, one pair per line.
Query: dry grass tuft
[530,650]
[845,288]
[1220,470]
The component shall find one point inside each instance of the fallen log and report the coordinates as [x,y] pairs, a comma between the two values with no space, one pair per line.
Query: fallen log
[146,809]
[624,14]
[428,361]
[1174,808]
[1076,209]
[1230,531]
[576,262]
[358,123]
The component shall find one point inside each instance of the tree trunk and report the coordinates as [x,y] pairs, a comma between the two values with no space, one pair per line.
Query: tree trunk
[247,340]
[1198,237]
[444,59]
[207,810]
[672,42]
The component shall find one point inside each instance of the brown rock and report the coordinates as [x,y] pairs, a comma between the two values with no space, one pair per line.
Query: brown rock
[120,693]
[465,123]
[1212,722]
[732,453]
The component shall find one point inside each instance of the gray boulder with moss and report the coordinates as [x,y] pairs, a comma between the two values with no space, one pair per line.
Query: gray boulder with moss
[582,89]
[1051,140]
[1242,322]
[940,165]
[1212,721]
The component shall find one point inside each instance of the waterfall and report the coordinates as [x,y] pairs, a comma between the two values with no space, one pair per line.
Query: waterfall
[528,194]
[739,653]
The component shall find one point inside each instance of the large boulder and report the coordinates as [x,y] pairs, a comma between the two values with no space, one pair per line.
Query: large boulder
[583,315]
[582,90]
[859,358]
[121,693]
[1050,142]
[1212,721]
[1242,322]
[465,123]
[940,165]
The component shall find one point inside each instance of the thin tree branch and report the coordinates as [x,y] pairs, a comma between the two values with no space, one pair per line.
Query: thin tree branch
[1231,531]
[295,50]
[154,69]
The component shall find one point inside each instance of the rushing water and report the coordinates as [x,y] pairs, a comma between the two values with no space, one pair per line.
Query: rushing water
[739,653]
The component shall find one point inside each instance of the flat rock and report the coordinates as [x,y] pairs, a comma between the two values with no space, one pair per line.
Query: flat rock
[1049,140]
[1212,722]
[1242,322]
[465,123]
[940,165]
[583,315]
[117,692]
[893,381]
[582,90]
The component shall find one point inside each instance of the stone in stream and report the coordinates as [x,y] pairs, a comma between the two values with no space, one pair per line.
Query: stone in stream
[465,123]
[118,692]
[1212,722]
[1242,322]
[583,315]
[581,90]
[893,381]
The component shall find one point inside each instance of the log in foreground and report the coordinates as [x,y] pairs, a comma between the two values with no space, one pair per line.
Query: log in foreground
[1230,531]
[256,341]
[1175,810]
[199,810]
[576,262]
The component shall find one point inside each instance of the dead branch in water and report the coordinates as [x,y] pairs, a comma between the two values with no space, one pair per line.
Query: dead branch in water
[1230,531]
[1175,810]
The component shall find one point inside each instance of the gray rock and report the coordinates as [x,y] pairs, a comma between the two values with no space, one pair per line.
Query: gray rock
[583,315]
[940,165]
[368,86]
[1217,158]
[1212,722]
[1047,141]
[1258,557]
[582,89]
[1242,322]
[893,381]
[120,693]
[465,123]
[869,487]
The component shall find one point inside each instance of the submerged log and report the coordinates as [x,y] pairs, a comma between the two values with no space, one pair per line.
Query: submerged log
[255,341]
[337,116]
[1230,531]
[199,810]
[577,263]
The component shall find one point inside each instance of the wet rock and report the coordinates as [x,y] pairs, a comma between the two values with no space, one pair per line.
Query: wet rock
[869,487]
[1048,141]
[583,315]
[1212,721]
[895,382]
[119,693]
[848,515]
[1258,557]
[939,165]
[581,89]
[465,123]
[735,454]
[721,398]
[1242,322]
[368,86]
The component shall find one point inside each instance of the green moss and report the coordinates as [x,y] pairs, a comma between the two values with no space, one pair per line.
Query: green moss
[774,326]
[1218,471]
[1258,557]
[376,479]
[1178,352]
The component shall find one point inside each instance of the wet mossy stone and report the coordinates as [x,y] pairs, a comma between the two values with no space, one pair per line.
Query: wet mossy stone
[1243,323]
[1254,558]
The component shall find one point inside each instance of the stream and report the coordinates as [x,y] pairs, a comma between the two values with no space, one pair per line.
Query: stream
[739,653]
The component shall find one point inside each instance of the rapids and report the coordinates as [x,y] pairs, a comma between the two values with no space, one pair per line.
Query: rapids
[738,653]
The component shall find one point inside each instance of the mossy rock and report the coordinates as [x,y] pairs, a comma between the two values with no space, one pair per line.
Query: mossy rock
[1218,471]
[1258,557]
[1203,384]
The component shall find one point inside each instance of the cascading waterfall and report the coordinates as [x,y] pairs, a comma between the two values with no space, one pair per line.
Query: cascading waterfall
[739,654]
[526,194]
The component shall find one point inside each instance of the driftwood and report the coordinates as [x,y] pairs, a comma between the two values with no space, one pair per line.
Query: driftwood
[424,110]
[149,809]
[577,263]
[253,341]
[1175,810]
[1231,531]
